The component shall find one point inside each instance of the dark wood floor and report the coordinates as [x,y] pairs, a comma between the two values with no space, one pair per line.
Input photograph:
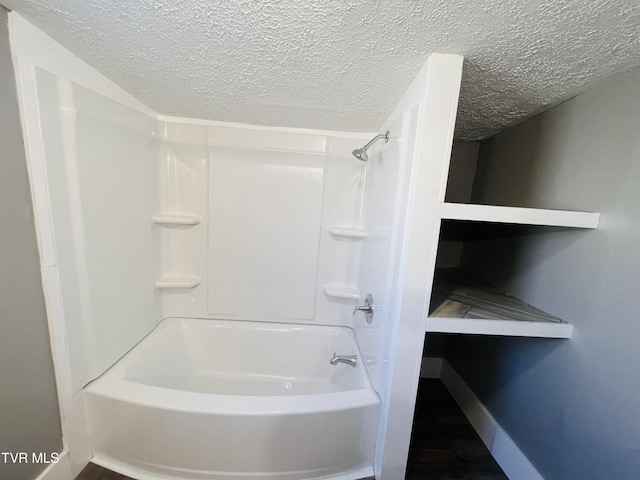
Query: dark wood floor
[444,445]
[94,472]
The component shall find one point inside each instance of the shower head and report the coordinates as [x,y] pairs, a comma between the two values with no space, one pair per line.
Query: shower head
[361,153]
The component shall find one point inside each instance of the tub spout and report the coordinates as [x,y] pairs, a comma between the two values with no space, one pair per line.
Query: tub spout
[348,359]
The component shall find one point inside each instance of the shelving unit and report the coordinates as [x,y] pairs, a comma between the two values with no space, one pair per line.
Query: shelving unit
[463,304]
[177,281]
[176,220]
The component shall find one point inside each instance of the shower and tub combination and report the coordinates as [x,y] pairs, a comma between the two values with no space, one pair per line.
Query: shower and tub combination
[210,288]
[227,301]
[203,398]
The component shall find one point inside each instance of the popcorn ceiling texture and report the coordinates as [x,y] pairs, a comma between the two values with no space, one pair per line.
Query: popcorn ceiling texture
[343,64]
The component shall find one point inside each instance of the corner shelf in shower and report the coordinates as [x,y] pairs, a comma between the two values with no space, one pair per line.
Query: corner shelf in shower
[518,215]
[462,304]
[347,231]
[340,290]
[177,281]
[176,220]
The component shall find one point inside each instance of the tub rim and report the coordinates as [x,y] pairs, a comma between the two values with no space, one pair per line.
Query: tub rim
[113,385]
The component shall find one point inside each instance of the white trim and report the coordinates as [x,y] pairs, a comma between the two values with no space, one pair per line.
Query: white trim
[61,470]
[435,91]
[513,462]
[511,459]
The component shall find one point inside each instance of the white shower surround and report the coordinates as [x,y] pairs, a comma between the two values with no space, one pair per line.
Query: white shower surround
[113,162]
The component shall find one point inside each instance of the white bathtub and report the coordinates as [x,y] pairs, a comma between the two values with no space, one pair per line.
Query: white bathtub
[212,399]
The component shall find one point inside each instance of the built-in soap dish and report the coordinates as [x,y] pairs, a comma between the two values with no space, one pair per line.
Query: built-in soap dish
[347,231]
[173,281]
[176,220]
[340,290]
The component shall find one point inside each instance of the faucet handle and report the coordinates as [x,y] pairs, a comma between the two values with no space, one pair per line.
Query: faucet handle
[367,308]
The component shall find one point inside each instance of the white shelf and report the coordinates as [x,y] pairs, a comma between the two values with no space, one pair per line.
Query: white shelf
[518,215]
[347,231]
[340,290]
[462,304]
[174,220]
[171,281]
[513,328]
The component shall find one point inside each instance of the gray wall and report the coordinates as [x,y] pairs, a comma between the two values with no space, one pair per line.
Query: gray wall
[462,169]
[29,417]
[573,406]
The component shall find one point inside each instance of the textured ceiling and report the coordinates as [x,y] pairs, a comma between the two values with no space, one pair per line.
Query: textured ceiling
[343,64]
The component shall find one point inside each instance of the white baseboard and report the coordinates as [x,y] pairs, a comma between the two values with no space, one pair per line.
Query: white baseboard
[513,462]
[58,471]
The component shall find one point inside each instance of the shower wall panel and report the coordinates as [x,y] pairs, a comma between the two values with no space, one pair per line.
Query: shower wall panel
[265,212]
[99,160]
[264,200]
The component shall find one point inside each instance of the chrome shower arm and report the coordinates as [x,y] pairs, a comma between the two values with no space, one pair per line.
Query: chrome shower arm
[376,138]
